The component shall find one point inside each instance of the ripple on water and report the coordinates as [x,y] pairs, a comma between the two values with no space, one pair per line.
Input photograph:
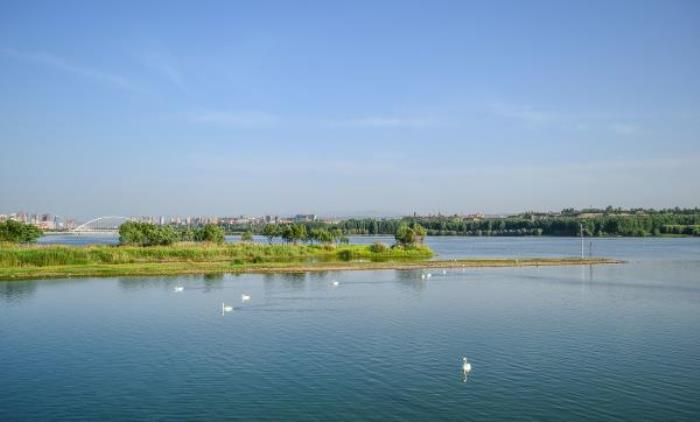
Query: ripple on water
[616,342]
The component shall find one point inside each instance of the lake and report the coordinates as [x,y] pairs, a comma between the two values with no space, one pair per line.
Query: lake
[618,342]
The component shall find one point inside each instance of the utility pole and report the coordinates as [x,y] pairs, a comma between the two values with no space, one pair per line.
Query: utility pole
[581,226]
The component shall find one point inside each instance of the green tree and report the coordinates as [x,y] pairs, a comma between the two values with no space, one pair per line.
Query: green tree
[405,236]
[299,231]
[210,233]
[247,236]
[293,232]
[313,235]
[287,233]
[320,235]
[187,235]
[419,232]
[337,234]
[18,232]
[373,227]
[146,234]
[271,231]
[324,236]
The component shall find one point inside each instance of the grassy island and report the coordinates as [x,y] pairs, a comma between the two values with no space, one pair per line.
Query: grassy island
[34,261]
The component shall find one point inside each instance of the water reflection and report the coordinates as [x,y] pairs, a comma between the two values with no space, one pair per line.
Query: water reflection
[16,291]
[209,282]
[319,275]
[140,283]
[294,280]
[300,331]
[411,279]
[214,281]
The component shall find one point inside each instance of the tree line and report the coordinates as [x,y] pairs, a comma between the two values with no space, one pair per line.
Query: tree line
[406,235]
[606,222]
[595,222]
[147,234]
[294,233]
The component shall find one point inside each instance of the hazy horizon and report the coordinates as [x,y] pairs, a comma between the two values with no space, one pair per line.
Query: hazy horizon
[280,108]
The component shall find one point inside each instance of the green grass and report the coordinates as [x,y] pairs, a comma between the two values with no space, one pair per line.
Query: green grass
[13,256]
[25,262]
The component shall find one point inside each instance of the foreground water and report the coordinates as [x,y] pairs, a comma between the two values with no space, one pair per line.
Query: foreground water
[605,342]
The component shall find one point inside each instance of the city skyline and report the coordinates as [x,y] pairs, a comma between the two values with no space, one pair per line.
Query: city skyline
[50,221]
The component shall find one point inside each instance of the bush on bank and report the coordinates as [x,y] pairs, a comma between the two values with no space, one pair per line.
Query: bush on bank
[18,232]
[136,233]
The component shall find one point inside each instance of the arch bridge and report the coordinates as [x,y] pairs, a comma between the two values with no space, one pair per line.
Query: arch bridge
[106,224]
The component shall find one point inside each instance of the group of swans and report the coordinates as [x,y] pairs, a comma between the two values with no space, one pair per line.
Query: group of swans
[228,308]
[466,366]
[425,276]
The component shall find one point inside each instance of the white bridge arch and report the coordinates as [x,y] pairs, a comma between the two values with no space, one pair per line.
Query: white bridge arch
[109,223]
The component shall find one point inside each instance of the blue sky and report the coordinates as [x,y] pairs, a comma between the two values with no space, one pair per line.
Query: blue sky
[230,108]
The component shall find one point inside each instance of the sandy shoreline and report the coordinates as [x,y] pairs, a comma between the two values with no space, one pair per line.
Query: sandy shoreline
[219,267]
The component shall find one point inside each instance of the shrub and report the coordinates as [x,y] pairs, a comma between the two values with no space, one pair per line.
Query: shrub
[405,236]
[410,235]
[146,234]
[378,247]
[18,232]
[210,233]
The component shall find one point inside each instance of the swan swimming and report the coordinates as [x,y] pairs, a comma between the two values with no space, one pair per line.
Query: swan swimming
[178,289]
[444,272]
[466,366]
[428,275]
[245,298]
[336,283]
[422,276]
[225,308]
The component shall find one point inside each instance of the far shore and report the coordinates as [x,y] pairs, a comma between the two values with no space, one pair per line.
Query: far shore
[224,267]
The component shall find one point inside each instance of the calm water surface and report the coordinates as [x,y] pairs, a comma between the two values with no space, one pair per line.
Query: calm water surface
[607,342]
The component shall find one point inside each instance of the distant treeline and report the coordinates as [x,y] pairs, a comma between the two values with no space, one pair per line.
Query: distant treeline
[607,222]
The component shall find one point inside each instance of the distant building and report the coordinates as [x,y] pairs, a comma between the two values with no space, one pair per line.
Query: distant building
[304,218]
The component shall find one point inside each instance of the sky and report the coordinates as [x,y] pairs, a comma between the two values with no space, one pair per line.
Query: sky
[347,108]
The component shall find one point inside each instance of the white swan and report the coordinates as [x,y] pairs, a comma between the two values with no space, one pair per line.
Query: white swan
[444,272]
[466,366]
[245,298]
[428,275]
[422,276]
[225,308]
[178,289]
[336,283]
